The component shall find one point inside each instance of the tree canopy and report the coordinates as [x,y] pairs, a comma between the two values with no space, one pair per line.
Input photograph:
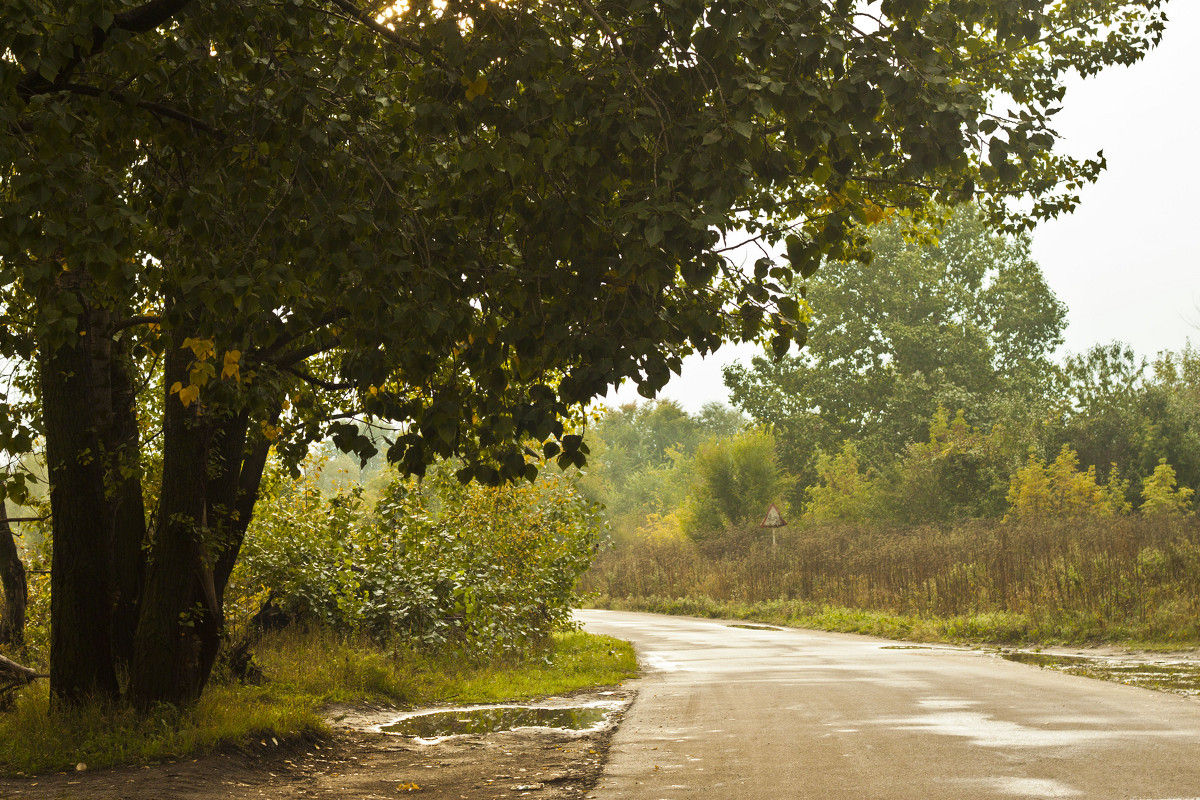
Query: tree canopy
[227,227]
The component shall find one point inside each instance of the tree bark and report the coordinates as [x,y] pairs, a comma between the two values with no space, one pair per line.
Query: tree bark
[128,509]
[16,589]
[175,621]
[80,614]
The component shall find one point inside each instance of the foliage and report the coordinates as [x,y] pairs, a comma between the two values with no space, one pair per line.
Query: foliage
[639,465]
[1101,418]
[481,570]
[1059,489]
[1171,406]
[844,493]
[959,473]
[954,322]
[1161,498]
[732,482]
[645,434]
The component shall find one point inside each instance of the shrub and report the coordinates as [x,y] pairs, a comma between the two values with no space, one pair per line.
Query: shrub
[486,571]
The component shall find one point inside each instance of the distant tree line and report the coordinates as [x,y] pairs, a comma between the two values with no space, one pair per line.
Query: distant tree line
[929,392]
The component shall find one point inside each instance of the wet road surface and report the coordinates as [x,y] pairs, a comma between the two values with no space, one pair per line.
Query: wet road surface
[732,713]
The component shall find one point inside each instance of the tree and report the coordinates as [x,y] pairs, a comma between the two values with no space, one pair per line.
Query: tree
[955,322]
[246,225]
[1161,498]
[14,588]
[1171,404]
[731,483]
[1059,489]
[958,473]
[638,453]
[844,493]
[1102,416]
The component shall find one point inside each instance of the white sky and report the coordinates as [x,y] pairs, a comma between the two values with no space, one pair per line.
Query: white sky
[1127,262]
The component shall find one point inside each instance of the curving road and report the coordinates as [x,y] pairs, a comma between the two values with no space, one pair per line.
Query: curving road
[731,713]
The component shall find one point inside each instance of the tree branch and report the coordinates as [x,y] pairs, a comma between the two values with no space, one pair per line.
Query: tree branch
[368,21]
[15,673]
[141,319]
[157,109]
[148,16]
[141,19]
[268,353]
[319,382]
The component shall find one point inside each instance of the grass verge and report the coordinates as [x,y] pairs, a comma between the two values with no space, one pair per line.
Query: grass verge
[304,671]
[983,628]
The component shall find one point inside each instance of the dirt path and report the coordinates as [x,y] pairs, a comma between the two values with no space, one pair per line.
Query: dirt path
[528,762]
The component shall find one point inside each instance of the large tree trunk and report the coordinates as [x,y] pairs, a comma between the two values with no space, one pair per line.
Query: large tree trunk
[12,581]
[166,652]
[211,476]
[80,629]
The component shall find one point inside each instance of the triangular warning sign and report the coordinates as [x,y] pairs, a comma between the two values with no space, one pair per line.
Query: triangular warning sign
[773,519]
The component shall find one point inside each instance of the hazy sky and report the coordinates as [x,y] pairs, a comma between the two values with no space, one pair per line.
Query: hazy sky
[1127,262]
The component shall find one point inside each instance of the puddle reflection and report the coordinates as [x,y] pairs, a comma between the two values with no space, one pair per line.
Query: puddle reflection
[456,722]
[753,627]
[1164,676]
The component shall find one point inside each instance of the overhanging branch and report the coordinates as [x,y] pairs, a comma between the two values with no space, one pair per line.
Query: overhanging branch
[319,382]
[157,109]
[365,19]
[6,520]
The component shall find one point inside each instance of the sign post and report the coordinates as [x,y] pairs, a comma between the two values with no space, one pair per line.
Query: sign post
[772,520]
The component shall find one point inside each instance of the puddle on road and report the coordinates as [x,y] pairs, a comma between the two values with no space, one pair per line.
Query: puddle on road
[1177,677]
[754,627]
[906,647]
[456,722]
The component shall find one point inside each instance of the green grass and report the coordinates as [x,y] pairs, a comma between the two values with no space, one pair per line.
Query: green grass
[304,672]
[980,628]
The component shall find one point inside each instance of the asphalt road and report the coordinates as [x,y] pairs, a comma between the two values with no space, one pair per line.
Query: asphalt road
[731,713]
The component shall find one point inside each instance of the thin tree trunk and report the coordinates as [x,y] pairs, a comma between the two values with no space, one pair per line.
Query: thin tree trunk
[249,479]
[16,589]
[128,508]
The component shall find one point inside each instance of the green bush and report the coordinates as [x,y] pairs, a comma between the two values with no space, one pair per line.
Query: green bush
[486,571]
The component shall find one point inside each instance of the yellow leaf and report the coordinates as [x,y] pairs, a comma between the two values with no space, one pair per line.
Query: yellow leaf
[475,88]
[230,368]
[201,348]
[189,395]
[175,387]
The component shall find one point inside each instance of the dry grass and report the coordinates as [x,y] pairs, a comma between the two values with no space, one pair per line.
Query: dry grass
[1122,579]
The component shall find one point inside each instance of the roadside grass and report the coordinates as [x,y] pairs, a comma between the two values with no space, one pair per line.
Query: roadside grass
[304,672]
[999,628]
